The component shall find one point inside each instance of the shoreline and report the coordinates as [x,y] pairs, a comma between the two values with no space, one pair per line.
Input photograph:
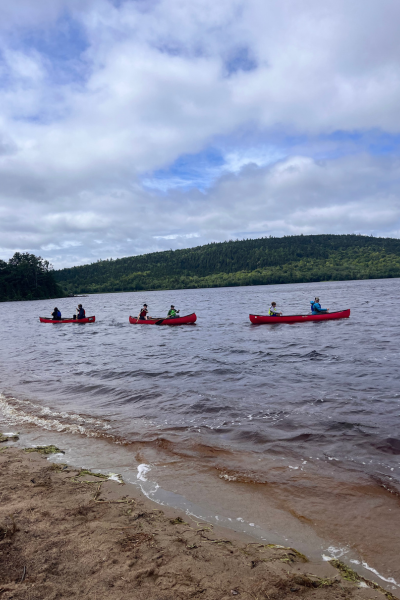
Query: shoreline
[166,488]
[67,532]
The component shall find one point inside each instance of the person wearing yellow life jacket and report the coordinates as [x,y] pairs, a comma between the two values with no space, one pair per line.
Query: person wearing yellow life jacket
[273,312]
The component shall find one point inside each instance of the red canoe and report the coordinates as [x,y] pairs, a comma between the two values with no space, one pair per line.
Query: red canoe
[85,320]
[258,319]
[164,321]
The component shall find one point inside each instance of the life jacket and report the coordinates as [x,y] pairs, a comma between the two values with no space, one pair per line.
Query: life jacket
[82,313]
[271,312]
[143,313]
[315,306]
[58,314]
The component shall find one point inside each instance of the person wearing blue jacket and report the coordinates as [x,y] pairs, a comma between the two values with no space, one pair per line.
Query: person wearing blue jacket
[316,307]
[80,312]
[56,314]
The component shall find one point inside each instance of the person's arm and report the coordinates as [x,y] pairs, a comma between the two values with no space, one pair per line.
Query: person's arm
[322,310]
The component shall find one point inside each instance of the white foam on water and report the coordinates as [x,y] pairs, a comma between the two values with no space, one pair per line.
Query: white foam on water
[142,472]
[358,562]
[115,477]
[337,552]
[334,553]
[15,412]
[387,579]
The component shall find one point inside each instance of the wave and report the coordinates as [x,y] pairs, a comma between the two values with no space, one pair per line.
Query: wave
[17,411]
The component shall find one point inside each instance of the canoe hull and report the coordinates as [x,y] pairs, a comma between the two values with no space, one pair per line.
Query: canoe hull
[80,321]
[178,321]
[260,319]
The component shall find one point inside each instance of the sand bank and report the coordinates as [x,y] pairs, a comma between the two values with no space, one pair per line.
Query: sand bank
[65,533]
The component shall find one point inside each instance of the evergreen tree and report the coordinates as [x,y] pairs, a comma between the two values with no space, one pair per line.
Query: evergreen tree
[290,259]
[27,277]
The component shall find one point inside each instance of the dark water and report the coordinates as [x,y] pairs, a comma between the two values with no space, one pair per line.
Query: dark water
[320,401]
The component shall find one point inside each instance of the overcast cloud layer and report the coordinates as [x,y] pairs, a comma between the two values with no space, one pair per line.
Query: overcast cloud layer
[133,126]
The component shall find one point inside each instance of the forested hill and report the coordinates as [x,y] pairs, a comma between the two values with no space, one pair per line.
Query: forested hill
[290,259]
[27,277]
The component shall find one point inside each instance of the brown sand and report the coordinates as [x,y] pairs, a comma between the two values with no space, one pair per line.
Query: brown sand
[65,535]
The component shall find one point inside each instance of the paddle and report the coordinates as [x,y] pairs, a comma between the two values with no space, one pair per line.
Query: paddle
[161,321]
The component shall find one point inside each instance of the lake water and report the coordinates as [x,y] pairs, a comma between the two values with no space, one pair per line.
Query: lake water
[291,432]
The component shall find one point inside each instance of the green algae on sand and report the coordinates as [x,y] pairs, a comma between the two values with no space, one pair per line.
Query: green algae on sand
[6,438]
[350,575]
[112,476]
[45,449]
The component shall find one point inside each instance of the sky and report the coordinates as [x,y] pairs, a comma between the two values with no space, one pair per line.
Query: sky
[132,126]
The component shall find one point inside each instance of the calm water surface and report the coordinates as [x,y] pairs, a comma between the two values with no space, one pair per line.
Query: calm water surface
[303,418]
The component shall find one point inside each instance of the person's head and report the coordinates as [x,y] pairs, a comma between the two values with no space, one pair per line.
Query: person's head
[144,305]
[79,305]
[273,303]
[172,306]
[316,299]
[56,308]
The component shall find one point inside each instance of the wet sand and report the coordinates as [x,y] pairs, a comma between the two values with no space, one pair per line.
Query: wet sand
[65,533]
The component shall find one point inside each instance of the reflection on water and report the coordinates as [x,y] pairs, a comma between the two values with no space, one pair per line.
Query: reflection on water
[304,416]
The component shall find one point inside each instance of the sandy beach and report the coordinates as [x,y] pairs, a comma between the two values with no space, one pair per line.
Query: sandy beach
[67,533]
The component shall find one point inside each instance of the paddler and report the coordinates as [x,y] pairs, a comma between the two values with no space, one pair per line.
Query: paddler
[316,307]
[143,313]
[273,312]
[56,314]
[80,312]
[172,313]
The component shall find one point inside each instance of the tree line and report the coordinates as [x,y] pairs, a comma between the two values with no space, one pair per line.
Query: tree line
[27,277]
[263,261]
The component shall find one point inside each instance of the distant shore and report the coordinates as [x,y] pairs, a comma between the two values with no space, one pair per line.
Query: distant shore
[65,532]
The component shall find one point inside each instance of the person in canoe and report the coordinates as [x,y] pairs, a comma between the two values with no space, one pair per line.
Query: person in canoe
[143,313]
[80,312]
[56,314]
[316,308]
[173,313]
[273,312]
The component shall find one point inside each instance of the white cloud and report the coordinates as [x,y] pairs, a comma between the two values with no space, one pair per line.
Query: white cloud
[151,84]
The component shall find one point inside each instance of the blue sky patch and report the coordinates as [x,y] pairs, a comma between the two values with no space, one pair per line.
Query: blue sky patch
[241,59]
[231,155]
[62,45]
